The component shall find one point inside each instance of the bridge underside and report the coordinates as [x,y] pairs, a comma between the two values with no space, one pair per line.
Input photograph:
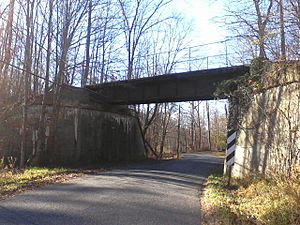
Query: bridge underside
[187,86]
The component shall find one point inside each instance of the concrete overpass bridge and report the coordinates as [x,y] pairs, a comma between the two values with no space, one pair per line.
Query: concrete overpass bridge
[177,87]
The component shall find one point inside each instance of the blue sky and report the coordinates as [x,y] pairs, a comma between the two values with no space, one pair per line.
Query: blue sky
[202,12]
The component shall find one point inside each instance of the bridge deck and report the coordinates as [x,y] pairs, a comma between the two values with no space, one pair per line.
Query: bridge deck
[187,86]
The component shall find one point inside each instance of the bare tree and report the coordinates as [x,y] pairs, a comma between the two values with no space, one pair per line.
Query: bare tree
[178,132]
[41,148]
[250,20]
[137,22]
[7,43]
[282,30]
[88,43]
[27,74]
[208,125]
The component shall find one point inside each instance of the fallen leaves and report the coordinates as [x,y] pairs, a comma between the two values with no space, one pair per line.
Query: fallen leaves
[15,182]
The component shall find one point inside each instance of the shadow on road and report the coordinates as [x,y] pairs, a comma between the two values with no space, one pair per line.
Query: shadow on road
[159,192]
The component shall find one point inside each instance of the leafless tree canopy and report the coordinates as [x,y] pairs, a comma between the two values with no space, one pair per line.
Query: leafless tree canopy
[45,44]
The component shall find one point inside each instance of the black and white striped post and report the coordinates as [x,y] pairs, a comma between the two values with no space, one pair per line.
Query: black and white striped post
[231,140]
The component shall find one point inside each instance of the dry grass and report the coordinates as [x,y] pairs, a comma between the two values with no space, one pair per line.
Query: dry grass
[252,201]
[215,153]
[12,182]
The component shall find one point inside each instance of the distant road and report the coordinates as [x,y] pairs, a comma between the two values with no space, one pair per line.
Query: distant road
[153,193]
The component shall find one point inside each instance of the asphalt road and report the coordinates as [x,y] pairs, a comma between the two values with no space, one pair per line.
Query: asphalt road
[156,193]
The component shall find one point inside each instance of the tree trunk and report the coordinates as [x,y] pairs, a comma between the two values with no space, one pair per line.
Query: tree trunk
[178,134]
[87,48]
[192,126]
[199,127]
[41,148]
[282,31]
[208,125]
[26,76]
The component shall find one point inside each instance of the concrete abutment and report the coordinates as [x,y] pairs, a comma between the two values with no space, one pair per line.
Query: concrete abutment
[87,132]
[268,128]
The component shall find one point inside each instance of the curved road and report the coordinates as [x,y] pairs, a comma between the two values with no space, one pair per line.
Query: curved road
[153,193]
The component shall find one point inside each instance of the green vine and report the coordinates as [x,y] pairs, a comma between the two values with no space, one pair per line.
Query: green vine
[244,87]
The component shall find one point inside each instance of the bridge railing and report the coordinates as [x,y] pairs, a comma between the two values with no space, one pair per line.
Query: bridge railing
[210,62]
[206,56]
[212,55]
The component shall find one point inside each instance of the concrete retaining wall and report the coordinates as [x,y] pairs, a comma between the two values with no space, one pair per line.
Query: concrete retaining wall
[269,136]
[87,132]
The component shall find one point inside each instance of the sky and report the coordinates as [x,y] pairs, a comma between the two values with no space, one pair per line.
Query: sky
[205,30]
[204,15]
[202,12]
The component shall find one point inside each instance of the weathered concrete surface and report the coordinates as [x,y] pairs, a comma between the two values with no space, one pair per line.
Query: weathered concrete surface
[87,132]
[269,137]
[159,193]
[188,86]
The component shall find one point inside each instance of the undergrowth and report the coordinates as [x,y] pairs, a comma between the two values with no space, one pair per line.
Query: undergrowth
[12,181]
[270,201]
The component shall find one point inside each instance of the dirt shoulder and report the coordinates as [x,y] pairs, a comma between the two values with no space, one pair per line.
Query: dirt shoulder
[13,182]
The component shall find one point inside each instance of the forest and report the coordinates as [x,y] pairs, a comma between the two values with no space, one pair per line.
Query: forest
[48,44]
